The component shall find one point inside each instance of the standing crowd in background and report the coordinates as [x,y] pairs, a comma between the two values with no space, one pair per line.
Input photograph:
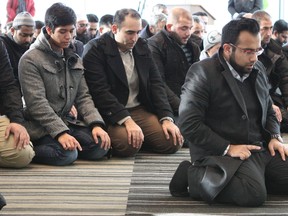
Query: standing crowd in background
[74,86]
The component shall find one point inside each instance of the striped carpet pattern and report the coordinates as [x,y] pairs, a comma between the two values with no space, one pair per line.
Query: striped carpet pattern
[84,188]
[117,187]
[149,192]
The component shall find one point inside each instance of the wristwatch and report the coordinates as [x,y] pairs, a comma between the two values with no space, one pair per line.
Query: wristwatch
[277,136]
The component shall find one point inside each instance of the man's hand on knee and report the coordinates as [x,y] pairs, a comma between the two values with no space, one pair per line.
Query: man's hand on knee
[21,136]
[134,132]
[170,128]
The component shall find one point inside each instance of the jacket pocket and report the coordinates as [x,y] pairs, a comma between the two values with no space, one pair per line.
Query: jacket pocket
[53,69]
[54,80]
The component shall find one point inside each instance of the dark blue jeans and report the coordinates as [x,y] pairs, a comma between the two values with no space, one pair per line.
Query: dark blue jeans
[50,151]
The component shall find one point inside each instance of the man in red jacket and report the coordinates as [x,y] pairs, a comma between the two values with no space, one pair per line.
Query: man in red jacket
[16,6]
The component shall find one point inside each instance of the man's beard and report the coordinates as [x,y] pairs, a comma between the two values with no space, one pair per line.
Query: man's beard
[26,45]
[239,69]
[176,38]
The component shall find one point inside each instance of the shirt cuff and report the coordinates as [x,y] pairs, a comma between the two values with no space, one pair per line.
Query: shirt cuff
[123,120]
[226,150]
[235,15]
[166,118]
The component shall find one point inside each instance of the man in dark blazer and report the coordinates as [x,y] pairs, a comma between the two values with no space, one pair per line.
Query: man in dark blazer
[276,65]
[128,91]
[173,52]
[226,114]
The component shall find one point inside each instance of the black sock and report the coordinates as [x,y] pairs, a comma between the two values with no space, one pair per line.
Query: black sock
[179,183]
[2,202]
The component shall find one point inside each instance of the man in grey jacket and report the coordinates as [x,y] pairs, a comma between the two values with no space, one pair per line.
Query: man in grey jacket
[51,76]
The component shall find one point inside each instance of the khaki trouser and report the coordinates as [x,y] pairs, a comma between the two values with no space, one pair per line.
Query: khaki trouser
[9,156]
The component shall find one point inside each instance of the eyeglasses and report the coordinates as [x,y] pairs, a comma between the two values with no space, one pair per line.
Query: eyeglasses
[92,29]
[249,52]
[83,25]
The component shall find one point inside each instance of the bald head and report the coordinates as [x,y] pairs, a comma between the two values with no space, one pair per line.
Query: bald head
[178,14]
[180,22]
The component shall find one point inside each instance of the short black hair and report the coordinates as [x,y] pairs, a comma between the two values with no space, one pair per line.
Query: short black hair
[232,30]
[121,14]
[106,20]
[280,26]
[39,24]
[92,18]
[59,15]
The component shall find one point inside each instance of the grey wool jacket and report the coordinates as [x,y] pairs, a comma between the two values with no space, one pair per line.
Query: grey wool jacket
[52,83]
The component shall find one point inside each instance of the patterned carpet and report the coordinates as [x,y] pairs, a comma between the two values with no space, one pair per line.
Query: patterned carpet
[149,192]
[85,188]
[131,186]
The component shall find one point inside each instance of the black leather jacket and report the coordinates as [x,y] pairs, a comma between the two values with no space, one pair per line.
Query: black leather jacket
[172,63]
[213,114]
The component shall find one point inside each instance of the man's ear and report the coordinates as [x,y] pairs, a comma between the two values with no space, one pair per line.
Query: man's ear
[49,30]
[227,48]
[275,33]
[114,28]
[12,30]
[169,27]
[152,30]
[101,30]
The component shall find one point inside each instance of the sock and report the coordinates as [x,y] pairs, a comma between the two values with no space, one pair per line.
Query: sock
[179,183]
[2,202]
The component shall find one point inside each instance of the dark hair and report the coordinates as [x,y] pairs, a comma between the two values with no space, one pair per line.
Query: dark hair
[280,26]
[107,20]
[200,13]
[39,24]
[232,30]
[59,15]
[144,23]
[92,18]
[197,19]
[121,14]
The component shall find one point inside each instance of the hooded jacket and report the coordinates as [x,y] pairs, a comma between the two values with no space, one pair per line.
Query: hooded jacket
[52,83]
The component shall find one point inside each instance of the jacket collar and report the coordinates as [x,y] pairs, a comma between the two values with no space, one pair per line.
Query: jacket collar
[231,81]
[172,36]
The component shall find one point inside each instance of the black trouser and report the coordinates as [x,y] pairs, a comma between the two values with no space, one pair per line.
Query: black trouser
[258,175]
[278,101]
